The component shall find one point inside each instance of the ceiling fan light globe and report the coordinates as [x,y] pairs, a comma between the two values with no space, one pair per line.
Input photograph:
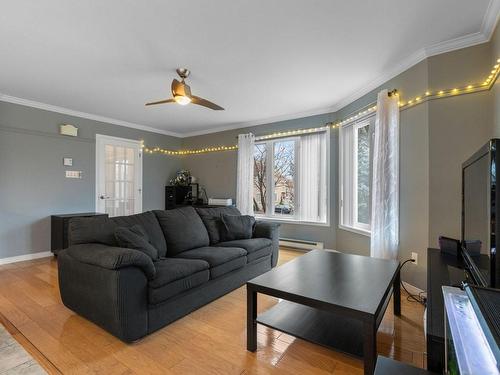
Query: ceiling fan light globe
[182,100]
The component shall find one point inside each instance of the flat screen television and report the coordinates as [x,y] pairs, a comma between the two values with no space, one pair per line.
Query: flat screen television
[481,215]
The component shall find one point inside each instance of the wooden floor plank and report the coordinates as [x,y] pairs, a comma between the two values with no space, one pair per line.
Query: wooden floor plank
[211,340]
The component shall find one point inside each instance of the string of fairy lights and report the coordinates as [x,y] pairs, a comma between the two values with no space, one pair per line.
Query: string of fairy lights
[366,111]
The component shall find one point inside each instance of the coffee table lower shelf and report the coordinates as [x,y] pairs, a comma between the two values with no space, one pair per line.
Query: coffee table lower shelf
[317,326]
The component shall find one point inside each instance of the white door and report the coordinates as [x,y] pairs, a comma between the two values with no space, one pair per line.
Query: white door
[118,176]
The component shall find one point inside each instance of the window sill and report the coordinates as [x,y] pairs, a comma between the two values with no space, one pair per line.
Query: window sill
[363,232]
[291,221]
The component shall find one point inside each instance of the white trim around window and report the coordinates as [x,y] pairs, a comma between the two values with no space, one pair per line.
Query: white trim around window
[323,193]
[348,177]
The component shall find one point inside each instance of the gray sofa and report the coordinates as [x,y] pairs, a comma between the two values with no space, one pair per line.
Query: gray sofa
[128,294]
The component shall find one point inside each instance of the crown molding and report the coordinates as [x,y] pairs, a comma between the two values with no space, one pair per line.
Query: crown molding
[456,43]
[488,26]
[89,116]
[490,19]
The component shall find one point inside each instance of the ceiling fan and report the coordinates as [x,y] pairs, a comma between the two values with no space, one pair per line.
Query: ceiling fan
[181,93]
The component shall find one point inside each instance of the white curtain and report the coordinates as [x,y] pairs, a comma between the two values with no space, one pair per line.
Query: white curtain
[385,179]
[312,174]
[244,185]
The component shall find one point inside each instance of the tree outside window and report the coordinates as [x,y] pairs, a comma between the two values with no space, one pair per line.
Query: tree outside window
[363,174]
[282,182]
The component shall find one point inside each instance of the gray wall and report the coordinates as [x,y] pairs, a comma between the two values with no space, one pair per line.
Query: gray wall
[458,126]
[32,182]
[414,164]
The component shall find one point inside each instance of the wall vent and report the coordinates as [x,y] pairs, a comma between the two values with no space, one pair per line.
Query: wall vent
[301,244]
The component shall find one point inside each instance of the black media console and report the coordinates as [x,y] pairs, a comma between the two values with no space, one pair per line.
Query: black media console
[442,269]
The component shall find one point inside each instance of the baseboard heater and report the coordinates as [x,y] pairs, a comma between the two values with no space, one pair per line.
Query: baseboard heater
[301,244]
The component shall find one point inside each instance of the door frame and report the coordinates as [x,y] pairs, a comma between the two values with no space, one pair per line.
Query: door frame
[100,139]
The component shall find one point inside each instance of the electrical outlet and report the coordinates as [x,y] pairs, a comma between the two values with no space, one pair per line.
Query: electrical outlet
[414,256]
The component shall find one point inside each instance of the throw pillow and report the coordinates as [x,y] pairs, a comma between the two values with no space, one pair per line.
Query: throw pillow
[183,229]
[237,227]
[213,225]
[135,237]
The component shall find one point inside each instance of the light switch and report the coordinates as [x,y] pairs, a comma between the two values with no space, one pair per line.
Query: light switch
[68,162]
[73,174]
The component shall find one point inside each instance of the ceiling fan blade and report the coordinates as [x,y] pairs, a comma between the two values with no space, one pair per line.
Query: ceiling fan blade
[205,103]
[162,102]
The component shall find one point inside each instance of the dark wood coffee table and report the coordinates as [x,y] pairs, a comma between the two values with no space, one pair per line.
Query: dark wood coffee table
[332,299]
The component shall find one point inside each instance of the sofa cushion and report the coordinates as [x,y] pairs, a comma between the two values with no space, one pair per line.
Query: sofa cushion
[228,267]
[211,217]
[172,269]
[165,292]
[251,245]
[221,259]
[261,253]
[236,227]
[150,224]
[217,211]
[97,229]
[174,276]
[135,238]
[102,230]
[213,225]
[183,229]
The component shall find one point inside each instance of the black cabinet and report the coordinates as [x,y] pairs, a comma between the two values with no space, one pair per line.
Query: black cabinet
[387,366]
[176,196]
[59,229]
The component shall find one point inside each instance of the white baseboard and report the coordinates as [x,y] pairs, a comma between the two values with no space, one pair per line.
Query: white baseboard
[22,258]
[413,289]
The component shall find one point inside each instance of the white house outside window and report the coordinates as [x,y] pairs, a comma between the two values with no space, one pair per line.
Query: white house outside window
[355,165]
[290,178]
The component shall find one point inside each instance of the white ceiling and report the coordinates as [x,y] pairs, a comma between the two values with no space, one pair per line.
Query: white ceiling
[262,60]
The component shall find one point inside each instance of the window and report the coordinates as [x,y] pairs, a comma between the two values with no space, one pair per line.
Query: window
[290,178]
[279,200]
[355,166]
[362,175]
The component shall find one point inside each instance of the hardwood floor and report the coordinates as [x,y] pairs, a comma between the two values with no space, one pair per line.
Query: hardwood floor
[211,340]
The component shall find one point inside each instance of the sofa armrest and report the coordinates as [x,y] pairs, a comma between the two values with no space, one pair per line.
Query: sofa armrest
[114,299]
[264,229]
[112,258]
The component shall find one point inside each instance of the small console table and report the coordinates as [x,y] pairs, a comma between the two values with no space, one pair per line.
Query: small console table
[325,306]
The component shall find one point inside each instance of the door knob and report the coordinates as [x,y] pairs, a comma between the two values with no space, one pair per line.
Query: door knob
[103,197]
